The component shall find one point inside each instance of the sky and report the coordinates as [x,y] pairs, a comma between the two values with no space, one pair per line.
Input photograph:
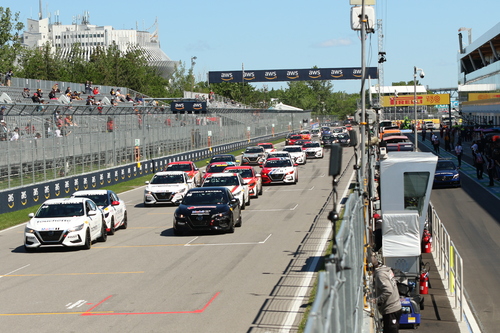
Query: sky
[275,34]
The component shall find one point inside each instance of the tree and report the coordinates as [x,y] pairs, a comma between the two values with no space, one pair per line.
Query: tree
[10,41]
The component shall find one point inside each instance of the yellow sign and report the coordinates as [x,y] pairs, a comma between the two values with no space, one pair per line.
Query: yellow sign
[479,96]
[407,100]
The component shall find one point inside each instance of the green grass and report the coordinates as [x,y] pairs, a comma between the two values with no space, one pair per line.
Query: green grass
[21,216]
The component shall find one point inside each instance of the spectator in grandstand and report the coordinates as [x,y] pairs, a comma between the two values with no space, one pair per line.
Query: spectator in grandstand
[67,92]
[26,93]
[88,87]
[68,121]
[4,130]
[139,99]
[76,96]
[55,87]
[96,91]
[119,96]
[52,94]
[36,98]
[8,77]
[15,134]
[112,92]
[90,100]
[129,99]
[110,125]
[38,136]
[39,92]
[46,126]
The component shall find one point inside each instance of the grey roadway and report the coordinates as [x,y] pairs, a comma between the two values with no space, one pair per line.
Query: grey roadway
[144,279]
[471,215]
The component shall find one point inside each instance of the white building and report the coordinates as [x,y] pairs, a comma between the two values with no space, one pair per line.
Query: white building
[62,37]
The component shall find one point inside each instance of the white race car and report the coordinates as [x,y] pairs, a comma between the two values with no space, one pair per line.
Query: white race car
[313,150]
[115,210]
[279,170]
[167,187]
[65,222]
[298,155]
[234,182]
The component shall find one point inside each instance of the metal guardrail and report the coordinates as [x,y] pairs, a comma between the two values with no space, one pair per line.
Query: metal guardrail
[450,261]
[338,306]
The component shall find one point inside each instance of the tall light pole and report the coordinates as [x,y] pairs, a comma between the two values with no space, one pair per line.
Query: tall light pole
[415,70]
[192,70]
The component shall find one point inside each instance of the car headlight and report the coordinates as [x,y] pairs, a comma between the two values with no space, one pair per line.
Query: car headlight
[146,192]
[182,190]
[29,230]
[456,176]
[76,228]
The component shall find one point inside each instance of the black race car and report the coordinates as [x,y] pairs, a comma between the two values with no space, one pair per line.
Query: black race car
[327,140]
[223,158]
[207,209]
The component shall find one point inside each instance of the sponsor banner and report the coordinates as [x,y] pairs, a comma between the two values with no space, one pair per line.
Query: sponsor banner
[192,107]
[480,96]
[408,100]
[291,75]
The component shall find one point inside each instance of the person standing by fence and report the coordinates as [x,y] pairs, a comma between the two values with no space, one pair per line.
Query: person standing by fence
[386,296]
[459,151]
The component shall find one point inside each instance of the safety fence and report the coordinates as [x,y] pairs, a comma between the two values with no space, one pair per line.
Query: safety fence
[449,261]
[338,306]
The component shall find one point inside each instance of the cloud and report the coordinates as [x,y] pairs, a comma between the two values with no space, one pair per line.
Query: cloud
[333,43]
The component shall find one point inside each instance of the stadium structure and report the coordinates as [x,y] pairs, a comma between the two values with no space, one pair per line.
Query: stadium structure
[62,38]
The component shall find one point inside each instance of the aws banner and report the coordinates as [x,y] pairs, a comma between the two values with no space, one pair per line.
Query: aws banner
[291,75]
[183,107]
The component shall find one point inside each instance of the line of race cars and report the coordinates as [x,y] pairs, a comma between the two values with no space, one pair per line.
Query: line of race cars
[209,200]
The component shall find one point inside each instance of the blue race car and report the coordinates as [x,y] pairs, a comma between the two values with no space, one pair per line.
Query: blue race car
[446,174]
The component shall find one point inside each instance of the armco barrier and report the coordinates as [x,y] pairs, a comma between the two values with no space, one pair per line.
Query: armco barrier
[35,194]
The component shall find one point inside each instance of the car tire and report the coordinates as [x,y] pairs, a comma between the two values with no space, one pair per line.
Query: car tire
[248,201]
[243,206]
[88,241]
[125,221]
[112,226]
[104,234]
[260,191]
[231,227]
[239,222]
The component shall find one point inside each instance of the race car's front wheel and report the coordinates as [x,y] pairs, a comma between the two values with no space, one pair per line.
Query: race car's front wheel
[104,234]
[125,221]
[88,242]
[112,226]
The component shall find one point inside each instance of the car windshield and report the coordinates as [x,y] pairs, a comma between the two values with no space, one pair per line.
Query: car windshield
[292,149]
[245,173]
[284,162]
[279,155]
[343,136]
[167,179]
[222,158]
[445,165]
[178,167]
[99,199]
[267,146]
[60,210]
[204,198]
[213,168]
[326,137]
[221,181]
[311,145]
[254,150]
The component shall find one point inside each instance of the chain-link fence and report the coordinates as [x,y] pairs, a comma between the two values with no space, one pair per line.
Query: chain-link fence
[45,142]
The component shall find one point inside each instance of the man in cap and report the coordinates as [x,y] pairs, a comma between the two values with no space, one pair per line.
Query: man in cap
[4,131]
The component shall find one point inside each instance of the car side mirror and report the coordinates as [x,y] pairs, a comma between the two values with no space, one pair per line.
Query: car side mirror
[146,182]
[31,215]
[92,213]
[257,175]
[115,203]
[234,200]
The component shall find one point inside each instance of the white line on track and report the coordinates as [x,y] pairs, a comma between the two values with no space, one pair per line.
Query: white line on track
[192,240]
[226,244]
[9,273]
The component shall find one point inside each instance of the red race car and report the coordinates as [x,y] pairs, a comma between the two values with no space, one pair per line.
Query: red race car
[252,178]
[188,167]
[268,147]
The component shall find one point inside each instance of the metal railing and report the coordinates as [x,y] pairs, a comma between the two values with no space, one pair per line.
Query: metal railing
[338,306]
[89,142]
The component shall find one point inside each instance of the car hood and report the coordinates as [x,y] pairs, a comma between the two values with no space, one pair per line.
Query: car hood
[445,172]
[165,187]
[54,223]
[202,209]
